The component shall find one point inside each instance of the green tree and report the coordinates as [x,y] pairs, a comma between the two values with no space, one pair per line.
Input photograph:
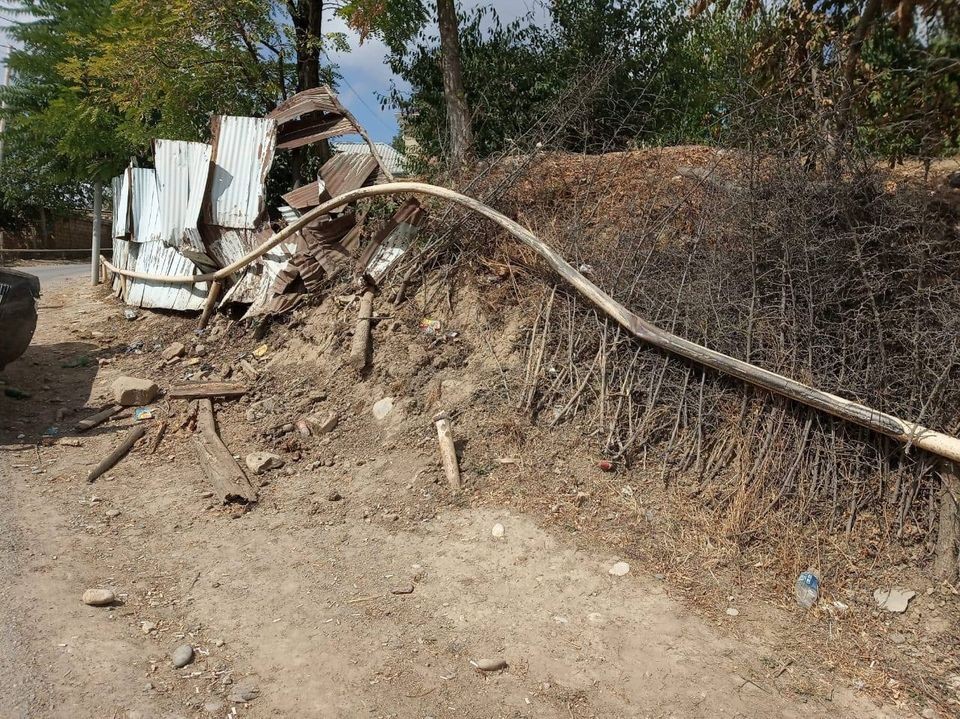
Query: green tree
[56,139]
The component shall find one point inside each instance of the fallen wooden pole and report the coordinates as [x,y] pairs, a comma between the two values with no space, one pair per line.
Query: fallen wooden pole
[133,435]
[360,348]
[200,390]
[99,418]
[448,450]
[902,430]
[216,461]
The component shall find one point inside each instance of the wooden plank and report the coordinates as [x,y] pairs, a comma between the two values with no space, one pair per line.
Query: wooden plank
[216,461]
[134,434]
[360,349]
[99,418]
[202,390]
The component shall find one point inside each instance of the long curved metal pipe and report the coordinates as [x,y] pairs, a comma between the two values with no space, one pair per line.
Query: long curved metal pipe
[904,431]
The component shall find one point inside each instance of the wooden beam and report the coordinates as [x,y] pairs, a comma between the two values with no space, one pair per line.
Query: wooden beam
[217,462]
[201,390]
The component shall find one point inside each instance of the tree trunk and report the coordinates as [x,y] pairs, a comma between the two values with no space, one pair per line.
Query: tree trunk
[458,111]
[870,12]
[307,19]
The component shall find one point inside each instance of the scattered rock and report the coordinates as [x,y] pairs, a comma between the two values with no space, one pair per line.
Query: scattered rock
[894,599]
[130,314]
[261,351]
[112,513]
[497,530]
[303,428]
[321,424]
[200,350]
[260,462]
[334,496]
[177,349]
[382,408]
[402,589]
[491,665]
[896,638]
[244,691]
[147,627]
[213,706]
[619,569]
[134,391]
[99,597]
[733,611]
[181,656]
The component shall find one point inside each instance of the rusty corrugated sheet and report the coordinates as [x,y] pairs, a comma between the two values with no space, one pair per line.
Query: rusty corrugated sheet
[393,240]
[311,116]
[304,197]
[342,173]
[242,154]
[182,169]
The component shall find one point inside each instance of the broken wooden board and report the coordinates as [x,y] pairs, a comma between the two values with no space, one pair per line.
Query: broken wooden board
[93,420]
[206,390]
[228,479]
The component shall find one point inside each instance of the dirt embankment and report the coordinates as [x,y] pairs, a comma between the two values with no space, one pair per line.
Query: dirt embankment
[360,584]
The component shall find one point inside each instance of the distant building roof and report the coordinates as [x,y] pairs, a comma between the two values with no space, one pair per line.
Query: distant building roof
[394,161]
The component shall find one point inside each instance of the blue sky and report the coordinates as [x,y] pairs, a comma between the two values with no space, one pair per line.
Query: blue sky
[363,69]
[365,74]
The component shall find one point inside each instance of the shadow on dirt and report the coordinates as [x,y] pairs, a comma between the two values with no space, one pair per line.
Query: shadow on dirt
[47,378]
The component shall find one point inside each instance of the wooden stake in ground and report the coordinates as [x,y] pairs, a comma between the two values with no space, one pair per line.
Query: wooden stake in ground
[946,564]
[93,420]
[119,453]
[212,295]
[360,350]
[448,451]
[218,464]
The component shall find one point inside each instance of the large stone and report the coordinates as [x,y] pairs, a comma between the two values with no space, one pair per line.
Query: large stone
[321,424]
[134,391]
[177,349]
[260,462]
[894,599]
[99,597]
[382,408]
[181,656]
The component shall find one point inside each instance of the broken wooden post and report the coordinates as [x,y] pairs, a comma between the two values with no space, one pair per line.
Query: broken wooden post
[216,461]
[212,295]
[94,419]
[119,453]
[946,563]
[360,349]
[448,451]
[158,437]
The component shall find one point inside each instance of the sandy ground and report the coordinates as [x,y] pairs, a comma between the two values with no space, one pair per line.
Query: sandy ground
[290,606]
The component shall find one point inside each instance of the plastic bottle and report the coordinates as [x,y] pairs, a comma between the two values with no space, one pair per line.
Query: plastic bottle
[807,589]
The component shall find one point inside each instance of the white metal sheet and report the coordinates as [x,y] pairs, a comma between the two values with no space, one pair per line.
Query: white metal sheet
[243,150]
[182,169]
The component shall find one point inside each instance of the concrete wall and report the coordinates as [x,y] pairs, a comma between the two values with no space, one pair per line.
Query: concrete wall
[63,233]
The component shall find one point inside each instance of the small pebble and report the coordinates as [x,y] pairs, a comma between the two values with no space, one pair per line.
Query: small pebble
[733,611]
[99,597]
[181,656]
[619,569]
[491,665]
[147,627]
[497,530]
[112,512]
[402,589]
[334,496]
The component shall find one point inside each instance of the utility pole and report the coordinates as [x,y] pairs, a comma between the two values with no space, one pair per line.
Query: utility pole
[97,222]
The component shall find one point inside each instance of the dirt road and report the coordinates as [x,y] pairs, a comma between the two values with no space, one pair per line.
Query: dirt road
[302,606]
